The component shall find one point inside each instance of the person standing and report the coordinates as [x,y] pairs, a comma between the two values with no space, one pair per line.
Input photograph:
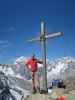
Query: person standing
[32,65]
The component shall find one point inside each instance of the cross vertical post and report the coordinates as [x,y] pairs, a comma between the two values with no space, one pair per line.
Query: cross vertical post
[43,52]
[42,38]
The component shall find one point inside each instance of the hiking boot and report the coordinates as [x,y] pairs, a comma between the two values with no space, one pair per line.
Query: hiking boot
[43,92]
[38,89]
[34,90]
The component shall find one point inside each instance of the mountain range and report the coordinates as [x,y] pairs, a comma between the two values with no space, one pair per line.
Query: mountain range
[63,68]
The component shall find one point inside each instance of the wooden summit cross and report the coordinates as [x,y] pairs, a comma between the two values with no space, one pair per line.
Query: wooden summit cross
[42,38]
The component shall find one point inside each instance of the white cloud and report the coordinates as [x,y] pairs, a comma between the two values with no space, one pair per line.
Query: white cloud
[4,42]
[11,28]
[4,46]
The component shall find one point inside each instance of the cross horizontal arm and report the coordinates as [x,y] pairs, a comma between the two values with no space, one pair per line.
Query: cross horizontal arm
[34,39]
[53,35]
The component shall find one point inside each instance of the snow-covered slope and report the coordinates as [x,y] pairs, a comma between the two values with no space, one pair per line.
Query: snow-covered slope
[18,79]
[59,68]
[16,91]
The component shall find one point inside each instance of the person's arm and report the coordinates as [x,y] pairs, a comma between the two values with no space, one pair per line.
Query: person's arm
[39,61]
[26,63]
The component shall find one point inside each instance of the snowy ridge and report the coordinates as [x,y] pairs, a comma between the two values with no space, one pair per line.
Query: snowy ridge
[55,68]
[61,68]
[16,80]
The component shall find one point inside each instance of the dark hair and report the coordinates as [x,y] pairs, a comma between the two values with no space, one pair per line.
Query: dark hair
[33,56]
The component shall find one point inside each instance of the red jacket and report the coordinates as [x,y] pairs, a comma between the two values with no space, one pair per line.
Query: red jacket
[32,64]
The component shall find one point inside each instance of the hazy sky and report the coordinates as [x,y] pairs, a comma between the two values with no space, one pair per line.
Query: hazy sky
[20,21]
